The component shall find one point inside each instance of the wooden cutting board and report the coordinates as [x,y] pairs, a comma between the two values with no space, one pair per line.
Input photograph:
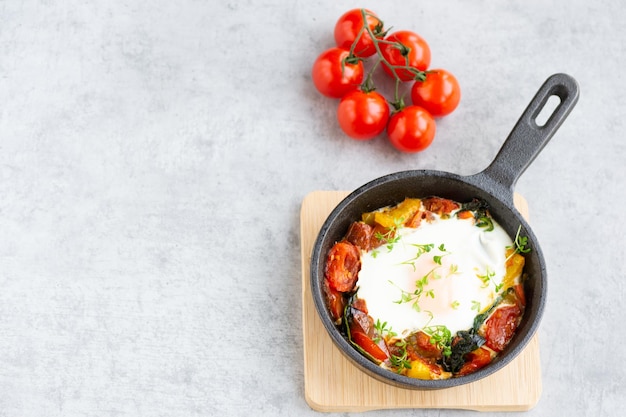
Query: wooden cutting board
[333,384]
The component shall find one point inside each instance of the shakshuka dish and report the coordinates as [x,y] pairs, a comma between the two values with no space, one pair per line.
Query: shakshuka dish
[429,288]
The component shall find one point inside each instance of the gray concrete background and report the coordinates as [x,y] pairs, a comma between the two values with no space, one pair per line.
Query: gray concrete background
[154,155]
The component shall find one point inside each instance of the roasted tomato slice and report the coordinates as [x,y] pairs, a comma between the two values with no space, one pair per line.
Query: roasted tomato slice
[475,360]
[501,325]
[368,345]
[335,301]
[342,266]
[362,333]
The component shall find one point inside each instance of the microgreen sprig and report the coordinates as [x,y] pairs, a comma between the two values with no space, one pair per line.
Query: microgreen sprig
[382,331]
[441,337]
[400,361]
[437,258]
[488,278]
[421,249]
[420,289]
[391,236]
[521,242]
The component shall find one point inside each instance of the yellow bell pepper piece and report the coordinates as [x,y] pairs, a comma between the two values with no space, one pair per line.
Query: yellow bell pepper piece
[419,370]
[395,216]
[514,267]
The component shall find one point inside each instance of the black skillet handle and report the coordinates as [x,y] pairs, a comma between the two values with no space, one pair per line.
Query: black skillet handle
[527,138]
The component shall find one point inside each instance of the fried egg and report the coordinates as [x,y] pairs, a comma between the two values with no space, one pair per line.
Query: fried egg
[442,273]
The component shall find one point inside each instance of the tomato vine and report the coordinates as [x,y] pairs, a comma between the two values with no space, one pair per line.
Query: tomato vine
[405,57]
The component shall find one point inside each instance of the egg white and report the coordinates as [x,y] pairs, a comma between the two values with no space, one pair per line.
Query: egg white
[472,267]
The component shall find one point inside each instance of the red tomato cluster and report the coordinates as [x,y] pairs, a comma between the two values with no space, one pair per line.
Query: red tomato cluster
[363,113]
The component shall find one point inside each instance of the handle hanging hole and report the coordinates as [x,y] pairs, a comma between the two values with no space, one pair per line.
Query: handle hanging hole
[547,110]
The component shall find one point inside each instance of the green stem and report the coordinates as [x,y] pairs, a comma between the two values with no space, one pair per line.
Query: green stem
[356,40]
[368,84]
[398,103]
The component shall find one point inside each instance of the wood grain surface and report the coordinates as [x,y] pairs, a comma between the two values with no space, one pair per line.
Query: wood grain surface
[333,384]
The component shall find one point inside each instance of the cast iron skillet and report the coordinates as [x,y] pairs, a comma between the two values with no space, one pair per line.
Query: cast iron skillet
[494,185]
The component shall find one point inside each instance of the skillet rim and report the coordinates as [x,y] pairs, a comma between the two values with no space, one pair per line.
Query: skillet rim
[494,194]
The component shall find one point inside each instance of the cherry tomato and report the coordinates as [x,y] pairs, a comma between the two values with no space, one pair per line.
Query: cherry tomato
[335,74]
[501,325]
[342,266]
[406,48]
[440,93]
[350,26]
[363,115]
[411,129]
